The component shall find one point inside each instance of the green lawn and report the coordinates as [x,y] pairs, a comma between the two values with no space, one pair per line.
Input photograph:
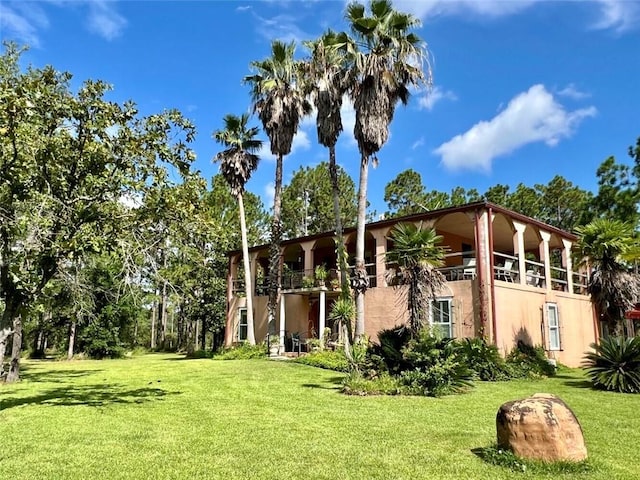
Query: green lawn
[159,416]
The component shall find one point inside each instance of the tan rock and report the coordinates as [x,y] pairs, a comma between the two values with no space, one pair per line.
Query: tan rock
[541,427]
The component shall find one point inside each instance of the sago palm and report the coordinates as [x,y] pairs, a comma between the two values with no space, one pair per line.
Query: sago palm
[280,102]
[237,162]
[417,255]
[387,58]
[607,246]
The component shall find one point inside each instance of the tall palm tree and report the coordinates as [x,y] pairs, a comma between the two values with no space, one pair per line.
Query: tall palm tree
[417,255]
[327,79]
[237,162]
[387,59]
[281,104]
[608,247]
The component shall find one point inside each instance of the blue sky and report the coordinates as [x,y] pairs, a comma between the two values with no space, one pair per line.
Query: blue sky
[523,89]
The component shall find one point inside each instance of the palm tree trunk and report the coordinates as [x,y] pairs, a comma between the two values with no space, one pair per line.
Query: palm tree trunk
[251,334]
[345,291]
[275,266]
[361,280]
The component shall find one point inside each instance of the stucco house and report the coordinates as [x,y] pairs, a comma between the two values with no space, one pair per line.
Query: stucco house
[509,276]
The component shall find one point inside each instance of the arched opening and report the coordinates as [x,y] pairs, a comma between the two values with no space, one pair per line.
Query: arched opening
[369,256]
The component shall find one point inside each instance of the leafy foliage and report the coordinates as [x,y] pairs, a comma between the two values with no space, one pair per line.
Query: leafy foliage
[307,201]
[614,364]
[526,361]
[437,367]
[392,343]
[384,384]
[606,245]
[416,256]
[328,359]
[484,360]
[244,351]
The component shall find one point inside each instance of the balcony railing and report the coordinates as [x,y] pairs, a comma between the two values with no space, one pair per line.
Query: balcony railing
[506,269]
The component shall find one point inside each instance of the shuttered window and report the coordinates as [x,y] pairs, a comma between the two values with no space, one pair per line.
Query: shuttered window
[553,325]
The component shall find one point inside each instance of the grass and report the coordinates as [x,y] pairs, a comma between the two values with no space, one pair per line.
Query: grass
[159,416]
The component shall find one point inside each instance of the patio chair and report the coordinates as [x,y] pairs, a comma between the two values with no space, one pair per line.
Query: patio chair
[469,267]
[297,342]
[505,272]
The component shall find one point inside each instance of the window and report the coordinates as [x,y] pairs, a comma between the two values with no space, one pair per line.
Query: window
[554,326]
[242,325]
[441,317]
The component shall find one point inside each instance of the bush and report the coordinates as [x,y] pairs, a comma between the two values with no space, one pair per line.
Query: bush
[483,360]
[615,364]
[384,384]
[331,360]
[392,343]
[244,351]
[438,368]
[200,354]
[526,361]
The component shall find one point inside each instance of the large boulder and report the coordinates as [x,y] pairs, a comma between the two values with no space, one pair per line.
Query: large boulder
[540,427]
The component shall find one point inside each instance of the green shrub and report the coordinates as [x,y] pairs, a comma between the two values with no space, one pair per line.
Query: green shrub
[244,351]
[614,364]
[200,354]
[438,368]
[392,343]
[483,359]
[331,360]
[384,384]
[102,342]
[526,361]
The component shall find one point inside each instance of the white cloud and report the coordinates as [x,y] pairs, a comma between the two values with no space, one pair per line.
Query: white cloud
[105,20]
[489,8]
[348,115]
[531,116]
[571,91]
[300,142]
[269,194]
[243,8]
[418,143]
[281,27]
[435,95]
[619,15]
[22,21]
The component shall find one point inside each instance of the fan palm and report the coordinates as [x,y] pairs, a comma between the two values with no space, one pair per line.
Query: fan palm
[237,162]
[280,102]
[606,246]
[327,80]
[417,257]
[387,58]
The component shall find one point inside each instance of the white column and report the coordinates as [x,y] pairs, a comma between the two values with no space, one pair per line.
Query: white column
[518,248]
[544,254]
[321,320]
[282,321]
[566,260]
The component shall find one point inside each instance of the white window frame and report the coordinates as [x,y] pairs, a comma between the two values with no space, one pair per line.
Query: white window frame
[241,311]
[553,344]
[448,301]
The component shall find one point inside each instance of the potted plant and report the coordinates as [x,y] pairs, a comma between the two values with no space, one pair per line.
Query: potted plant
[335,283]
[321,275]
[307,282]
[274,345]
